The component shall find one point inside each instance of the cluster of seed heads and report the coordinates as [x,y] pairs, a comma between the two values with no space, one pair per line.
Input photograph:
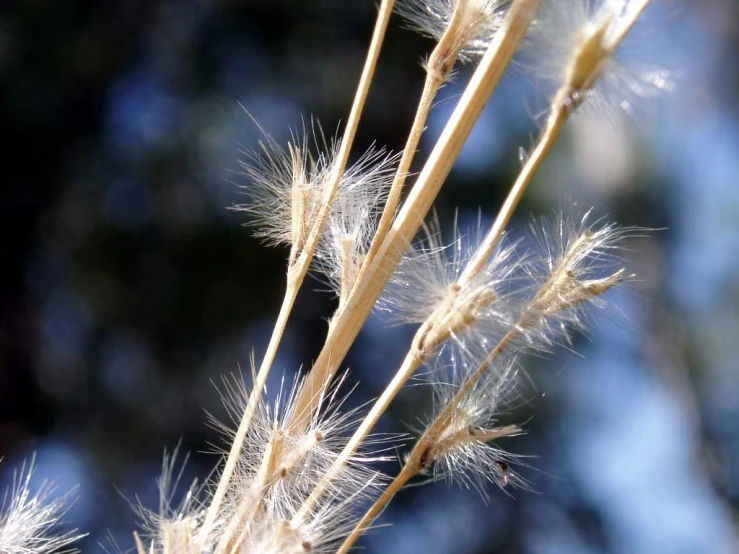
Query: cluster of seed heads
[300,474]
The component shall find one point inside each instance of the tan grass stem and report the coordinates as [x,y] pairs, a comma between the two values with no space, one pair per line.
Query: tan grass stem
[587,63]
[303,260]
[140,548]
[546,140]
[405,475]
[553,296]
[366,292]
[410,364]
[416,461]
[438,70]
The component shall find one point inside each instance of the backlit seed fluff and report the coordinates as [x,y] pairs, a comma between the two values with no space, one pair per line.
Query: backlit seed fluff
[479,21]
[175,526]
[353,220]
[466,449]
[589,48]
[286,186]
[578,261]
[30,515]
[281,465]
[425,289]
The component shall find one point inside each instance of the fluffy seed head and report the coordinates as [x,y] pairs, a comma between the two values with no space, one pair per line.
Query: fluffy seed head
[30,515]
[353,220]
[287,186]
[174,527]
[463,448]
[479,21]
[281,465]
[578,262]
[425,289]
[577,46]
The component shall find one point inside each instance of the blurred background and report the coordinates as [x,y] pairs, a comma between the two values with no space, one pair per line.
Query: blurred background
[129,288]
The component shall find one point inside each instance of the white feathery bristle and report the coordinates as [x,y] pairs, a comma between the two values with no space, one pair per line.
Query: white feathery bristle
[353,220]
[480,21]
[578,44]
[29,517]
[578,261]
[281,465]
[465,450]
[322,532]
[287,189]
[285,184]
[174,527]
[425,289]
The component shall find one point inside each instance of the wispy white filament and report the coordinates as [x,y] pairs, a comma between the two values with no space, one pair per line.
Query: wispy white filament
[30,515]
[480,21]
[353,219]
[465,457]
[298,458]
[175,526]
[577,258]
[426,282]
[624,75]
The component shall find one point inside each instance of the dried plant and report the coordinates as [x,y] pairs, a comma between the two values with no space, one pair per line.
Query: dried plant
[30,515]
[299,474]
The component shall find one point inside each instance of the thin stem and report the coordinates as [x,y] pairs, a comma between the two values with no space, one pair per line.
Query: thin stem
[430,445]
[302,262]
[251,503]
[360,97]
[446,320]
[279,460]
[431,87]
[405,475]
[140,548]
[443,418]
[291,293]
[411,362]
[569,96]
[417,460]
[634,15]
[547,138]
[365,293]
[438,69]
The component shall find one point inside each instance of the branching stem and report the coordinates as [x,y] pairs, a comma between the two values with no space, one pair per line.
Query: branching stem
[367,290]
[410,364]
[298,270]
[438,70]
[570,95]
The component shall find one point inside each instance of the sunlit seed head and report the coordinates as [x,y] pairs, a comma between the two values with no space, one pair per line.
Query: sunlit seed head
[285,184]
[175,525]
[426,289]
[465,448]
[280,466]
[578,262]
[353,219]
[587,50]
[30,515]
[479,21]
[287,187]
